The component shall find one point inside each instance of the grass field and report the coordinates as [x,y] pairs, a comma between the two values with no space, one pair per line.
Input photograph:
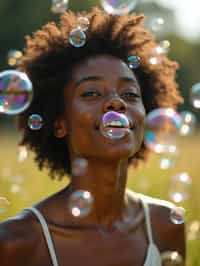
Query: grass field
[148,179]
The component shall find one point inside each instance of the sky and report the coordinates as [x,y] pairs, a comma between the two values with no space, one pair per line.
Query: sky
[187,13]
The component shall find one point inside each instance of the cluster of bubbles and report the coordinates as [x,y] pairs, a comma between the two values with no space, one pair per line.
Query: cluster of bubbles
[14,57]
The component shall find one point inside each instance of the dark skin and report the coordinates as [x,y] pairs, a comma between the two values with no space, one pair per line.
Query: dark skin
[104,237]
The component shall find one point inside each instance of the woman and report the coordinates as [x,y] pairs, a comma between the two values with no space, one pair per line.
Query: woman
[75,91]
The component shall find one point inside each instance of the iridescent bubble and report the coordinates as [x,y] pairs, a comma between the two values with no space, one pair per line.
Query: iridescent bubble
[16,189]
[77,38]
[114,125]
[80,203]
[14,57]
[166,163]
[79,166]
[155,60]
[83,23]
[35,122]
[118,7]
[162,127]
[195,95]
[189,123]
[177,215]
[134,61]
[15,92]
[59,6]
[4,205]
[193,232]
[180,187]
[157,24]
[171,258]
[22,153]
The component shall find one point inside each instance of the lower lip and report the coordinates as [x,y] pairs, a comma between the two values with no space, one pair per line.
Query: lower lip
[114,132]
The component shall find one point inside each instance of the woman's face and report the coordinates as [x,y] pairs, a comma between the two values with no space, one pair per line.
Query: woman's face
[98,85]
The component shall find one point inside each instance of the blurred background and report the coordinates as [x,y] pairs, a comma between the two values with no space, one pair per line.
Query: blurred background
[175,24]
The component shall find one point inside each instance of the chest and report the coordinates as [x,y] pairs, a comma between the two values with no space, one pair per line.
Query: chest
[97,248]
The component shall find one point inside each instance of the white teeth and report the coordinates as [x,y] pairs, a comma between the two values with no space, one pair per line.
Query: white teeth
[114,123]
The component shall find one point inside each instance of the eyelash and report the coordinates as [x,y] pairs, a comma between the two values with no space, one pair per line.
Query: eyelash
[96,94]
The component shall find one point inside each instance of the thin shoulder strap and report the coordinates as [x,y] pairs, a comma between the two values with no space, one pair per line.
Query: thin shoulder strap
[147,219]
[46,234]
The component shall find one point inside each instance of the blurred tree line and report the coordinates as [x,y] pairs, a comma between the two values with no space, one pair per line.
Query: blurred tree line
[22,17]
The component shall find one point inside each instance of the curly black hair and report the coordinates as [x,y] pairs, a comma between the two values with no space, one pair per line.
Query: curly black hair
[49,59]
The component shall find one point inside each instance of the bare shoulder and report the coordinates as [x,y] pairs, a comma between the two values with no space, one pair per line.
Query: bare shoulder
[18,239]
[168,235]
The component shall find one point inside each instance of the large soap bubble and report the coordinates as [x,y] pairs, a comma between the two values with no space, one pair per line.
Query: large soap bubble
[118,7]
[16,92]
[162,128]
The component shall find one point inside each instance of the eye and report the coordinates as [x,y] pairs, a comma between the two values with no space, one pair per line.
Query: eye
[91,93]
[130,95]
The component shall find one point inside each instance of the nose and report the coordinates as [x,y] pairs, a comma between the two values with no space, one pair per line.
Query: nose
[115,104]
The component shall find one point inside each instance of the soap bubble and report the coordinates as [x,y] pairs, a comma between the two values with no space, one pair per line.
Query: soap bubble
[195,95]
[80,203]
[4,205]
[114,125]
[171,258]
[161,129]
[166,163]
[22,153]
[83,23]
[35,122]
[134,61]
[177,215]
[79,166]
[118,7]
[165,46]
[15,92]
[16,189]
[193,230]
[157,24]
[155,60]
[14,57]
[189,123]
[59,6]
[179,187]
[77,38]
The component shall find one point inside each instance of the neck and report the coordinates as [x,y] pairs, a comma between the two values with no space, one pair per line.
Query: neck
[106,181]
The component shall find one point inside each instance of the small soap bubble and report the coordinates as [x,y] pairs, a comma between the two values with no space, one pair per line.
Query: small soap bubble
[77,38]
[157,24]
[83,23]
[4,205]
[79,166]
[189,123]
[59,6]
[166,163]
[80,203]
[155,60]
[15,188]
[118,7]
[180,187]
[177,215]
[114,125]
[165,46]
[195,95]
[171,258]
[15,92]
[14,57]
[35,122]
[161,129]
[22,153]
[193,232]
[134,61]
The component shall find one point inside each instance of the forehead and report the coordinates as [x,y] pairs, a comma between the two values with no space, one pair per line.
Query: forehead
[105,66]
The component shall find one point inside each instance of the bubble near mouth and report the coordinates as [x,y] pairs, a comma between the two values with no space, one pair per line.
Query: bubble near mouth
[114,125]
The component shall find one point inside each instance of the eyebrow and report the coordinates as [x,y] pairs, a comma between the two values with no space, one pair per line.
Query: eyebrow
[96,78]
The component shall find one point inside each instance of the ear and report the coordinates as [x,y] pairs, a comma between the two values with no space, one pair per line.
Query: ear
[60,130]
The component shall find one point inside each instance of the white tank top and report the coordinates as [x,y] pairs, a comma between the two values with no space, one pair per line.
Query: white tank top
[153,257]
